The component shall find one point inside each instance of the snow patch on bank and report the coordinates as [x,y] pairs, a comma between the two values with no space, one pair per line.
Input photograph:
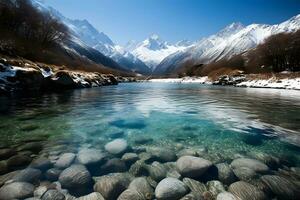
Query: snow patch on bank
[201,80]
[273,83]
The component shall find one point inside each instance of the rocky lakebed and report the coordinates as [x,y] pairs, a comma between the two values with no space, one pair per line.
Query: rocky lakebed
[117,170]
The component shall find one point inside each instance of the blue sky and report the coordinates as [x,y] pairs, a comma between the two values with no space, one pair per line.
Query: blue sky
[173,20]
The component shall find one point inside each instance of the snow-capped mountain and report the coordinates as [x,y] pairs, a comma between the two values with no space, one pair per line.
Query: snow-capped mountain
[85,33]
[233,39]
[153,50]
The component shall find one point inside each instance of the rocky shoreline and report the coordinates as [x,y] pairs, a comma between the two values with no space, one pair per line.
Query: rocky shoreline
[18,77]
[274,82]
[115,170]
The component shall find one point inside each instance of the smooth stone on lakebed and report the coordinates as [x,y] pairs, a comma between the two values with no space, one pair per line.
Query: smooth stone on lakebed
[245,173]
[157,171]
[246,191]
[90,156]
[142,186]
[225,173]
[196,187]
[6,153]
[215,187]
[75,176]
[65,160]
[17,161]
[281,187]
[29,175]
[31,146]
[41,163]
[130,158]
[256,165]
[162,154]
[92,196]
[116,146]
[190,166]
[226,196]
[53,195]
[16,190]
[170,189]
[113,165]
[53,174]
[112,185]
[3,167]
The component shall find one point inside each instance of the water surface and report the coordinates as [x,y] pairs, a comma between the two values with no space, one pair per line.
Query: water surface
[227,121]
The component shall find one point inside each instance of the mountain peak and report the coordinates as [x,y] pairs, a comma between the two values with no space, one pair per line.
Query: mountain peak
[231,29]
[154,37]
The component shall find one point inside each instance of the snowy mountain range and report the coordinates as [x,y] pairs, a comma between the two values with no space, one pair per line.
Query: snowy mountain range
[153,55]
[232,40]
[153,50]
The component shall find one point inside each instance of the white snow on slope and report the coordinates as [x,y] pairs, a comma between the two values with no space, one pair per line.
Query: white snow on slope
[233,39]
[153,50]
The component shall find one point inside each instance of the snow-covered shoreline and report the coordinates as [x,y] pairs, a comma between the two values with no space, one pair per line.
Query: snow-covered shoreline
[275,83]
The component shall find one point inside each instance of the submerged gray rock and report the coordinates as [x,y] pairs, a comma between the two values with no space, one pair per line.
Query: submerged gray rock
[157,171]
[112,185]
[225,173]
[256,165]
[65,160]
[246,191]
[75,176]
[190,166]
[53,195]
[170,189]
[90,156]
[16,190]
[281,187]
[226,196]
[116,146]
[29,175]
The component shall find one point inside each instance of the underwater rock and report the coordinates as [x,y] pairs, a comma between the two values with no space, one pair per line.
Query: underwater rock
[256,165]
[145,156]
[215,187]
[196,187]
[190,166]
[90,156]
[187,152]
[41,163]
[7,177]
[35,147]
[3,167]
[157,171]
[53,195]
[39,191]
[226,196]
[142,140]
[53,174]
[116,146]
[281,187]
[6,153]
[142,186]
[65,160]
[139,168]
[245,173]
[16,190]
[92,196]
[75,176]
[113,165]
[138,189]
[170,189]
[116,134]
[246,191]
[131,195]
[130,158]
[162,154]
[18,161]
[272,161]
[191,196]
[225,173]
[29,175]
[112,185]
